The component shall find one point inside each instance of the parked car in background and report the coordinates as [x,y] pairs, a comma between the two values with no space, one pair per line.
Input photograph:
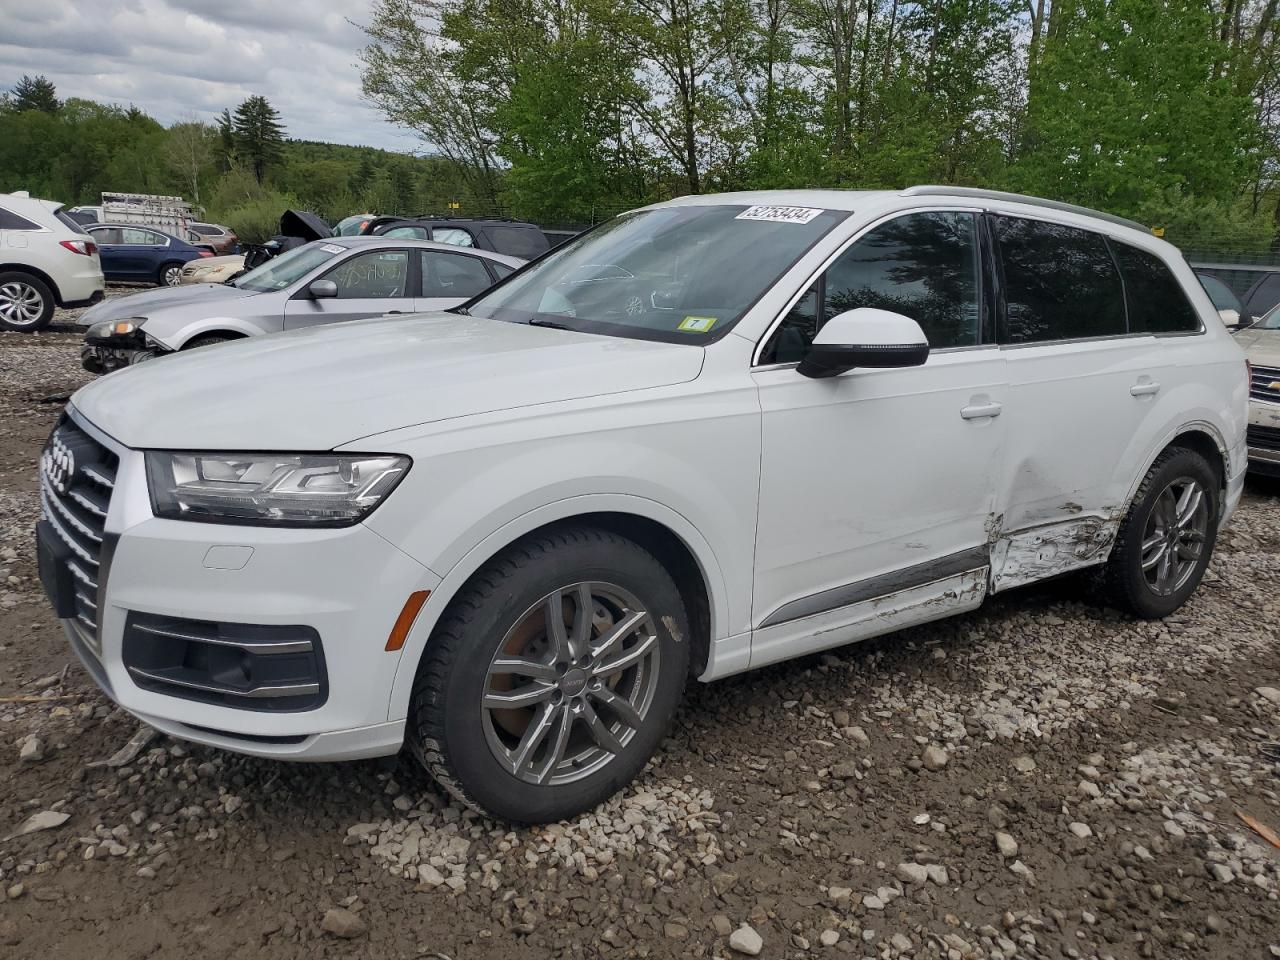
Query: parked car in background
[212,269]
[86,214]
[326,281]
[1257,285]
[46,261]
[512,237]
[710,435]
[142,254]
[352,226]
[1261,344]
[221,240]
[1228,305]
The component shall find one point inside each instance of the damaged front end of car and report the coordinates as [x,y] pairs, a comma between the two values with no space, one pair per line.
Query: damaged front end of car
[112,344]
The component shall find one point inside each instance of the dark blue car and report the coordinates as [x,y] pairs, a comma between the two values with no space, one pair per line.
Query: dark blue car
[131,252]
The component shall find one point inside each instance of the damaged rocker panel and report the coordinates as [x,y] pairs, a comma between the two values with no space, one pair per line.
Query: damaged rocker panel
[1047,551]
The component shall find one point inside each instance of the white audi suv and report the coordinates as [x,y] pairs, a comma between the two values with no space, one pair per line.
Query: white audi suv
[706,436]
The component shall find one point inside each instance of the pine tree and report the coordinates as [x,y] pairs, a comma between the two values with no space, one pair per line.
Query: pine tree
[258,135]
[35,93]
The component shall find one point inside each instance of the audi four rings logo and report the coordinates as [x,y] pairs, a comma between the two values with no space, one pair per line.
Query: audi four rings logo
[59,465]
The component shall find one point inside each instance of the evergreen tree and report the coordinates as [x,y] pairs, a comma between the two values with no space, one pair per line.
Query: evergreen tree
[258,135]
[35,93]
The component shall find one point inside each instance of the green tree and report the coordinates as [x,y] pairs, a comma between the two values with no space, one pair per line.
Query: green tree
[258,135]
[35,93]
[1129,103]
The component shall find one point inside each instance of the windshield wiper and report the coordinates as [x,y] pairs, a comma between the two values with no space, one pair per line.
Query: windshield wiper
[460,311]
[538,322]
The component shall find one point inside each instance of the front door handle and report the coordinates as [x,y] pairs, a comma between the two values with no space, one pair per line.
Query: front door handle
[1144,388]
[981,411]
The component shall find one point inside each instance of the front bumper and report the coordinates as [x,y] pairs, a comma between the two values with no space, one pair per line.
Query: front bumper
[1264,437]
[348,585]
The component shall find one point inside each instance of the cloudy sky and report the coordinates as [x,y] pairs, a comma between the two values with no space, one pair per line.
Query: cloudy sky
[174,58]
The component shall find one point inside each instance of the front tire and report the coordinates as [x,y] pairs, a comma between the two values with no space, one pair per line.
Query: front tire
[1166,540]
[552,677]
[26,302]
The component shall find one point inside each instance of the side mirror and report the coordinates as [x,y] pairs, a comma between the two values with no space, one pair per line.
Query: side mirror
[322,289]
[865,337]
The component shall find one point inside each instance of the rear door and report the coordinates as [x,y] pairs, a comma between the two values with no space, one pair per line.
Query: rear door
[370,283]
[449,279]
[1082,387]
[141,252]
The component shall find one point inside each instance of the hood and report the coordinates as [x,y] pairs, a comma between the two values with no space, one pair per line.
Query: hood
[320,387]
[147,303]
[1260,346]
[303,223]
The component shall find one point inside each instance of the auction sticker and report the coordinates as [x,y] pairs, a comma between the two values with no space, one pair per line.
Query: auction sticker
[696,324]
[332,248]
[773,214]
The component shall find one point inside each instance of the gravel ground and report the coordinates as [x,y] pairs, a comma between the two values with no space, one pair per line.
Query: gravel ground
[1040,778]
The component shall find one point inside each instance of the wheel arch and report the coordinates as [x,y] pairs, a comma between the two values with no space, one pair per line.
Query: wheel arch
[1201,437]
[39,274]
[673,540]
[215,332]
[176,339]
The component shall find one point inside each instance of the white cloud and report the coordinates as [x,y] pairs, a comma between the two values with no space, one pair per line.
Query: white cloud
[173,58]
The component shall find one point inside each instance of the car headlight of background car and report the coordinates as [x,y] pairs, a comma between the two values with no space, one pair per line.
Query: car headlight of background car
[105,329]
[283,490]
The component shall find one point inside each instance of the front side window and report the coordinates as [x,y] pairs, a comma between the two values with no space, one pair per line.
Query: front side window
[138,237]
[452,275]
[682,274]
[455,236]
[288,268]
[922,265]
[106,234]
[407,233]
[1060,282]
[377,274]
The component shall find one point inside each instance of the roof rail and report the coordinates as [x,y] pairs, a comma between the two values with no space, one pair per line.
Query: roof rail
[933,190]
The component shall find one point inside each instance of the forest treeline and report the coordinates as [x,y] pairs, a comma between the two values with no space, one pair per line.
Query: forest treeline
[1164,110]
[568,111]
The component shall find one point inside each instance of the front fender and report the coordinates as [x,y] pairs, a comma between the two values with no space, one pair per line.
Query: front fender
[174,335]
[470,560]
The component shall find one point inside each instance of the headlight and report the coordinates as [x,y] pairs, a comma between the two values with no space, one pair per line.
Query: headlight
[116,328]
[279,490]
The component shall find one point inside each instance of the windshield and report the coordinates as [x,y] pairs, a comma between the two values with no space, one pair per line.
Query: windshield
[680,274]
[288,268]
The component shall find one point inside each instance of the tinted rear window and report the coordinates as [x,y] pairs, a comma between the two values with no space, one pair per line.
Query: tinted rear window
[1265,296]
[1060,282]
[1157,303]
[523,242]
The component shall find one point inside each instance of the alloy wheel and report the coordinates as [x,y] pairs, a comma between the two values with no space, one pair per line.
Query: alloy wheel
[570,684]
[1175,535]
[20,304]
[172,276]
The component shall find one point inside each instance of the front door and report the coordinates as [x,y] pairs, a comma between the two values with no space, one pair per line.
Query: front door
[879,484]
[369,284]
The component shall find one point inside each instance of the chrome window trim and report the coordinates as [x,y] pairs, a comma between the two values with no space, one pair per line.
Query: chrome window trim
[850,241]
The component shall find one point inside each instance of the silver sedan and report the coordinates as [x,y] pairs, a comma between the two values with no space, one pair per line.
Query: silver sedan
[327,281]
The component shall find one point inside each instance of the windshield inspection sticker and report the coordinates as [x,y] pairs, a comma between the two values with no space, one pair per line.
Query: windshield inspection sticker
[779,214]
[696,324]
[331,248]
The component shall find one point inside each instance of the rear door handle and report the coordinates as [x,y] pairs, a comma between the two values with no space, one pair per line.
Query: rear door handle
[981,411]
[1144,388]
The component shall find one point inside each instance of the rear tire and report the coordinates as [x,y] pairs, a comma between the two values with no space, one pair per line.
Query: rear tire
[1166,540]
[26,302]
[170,274]
[592,699]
